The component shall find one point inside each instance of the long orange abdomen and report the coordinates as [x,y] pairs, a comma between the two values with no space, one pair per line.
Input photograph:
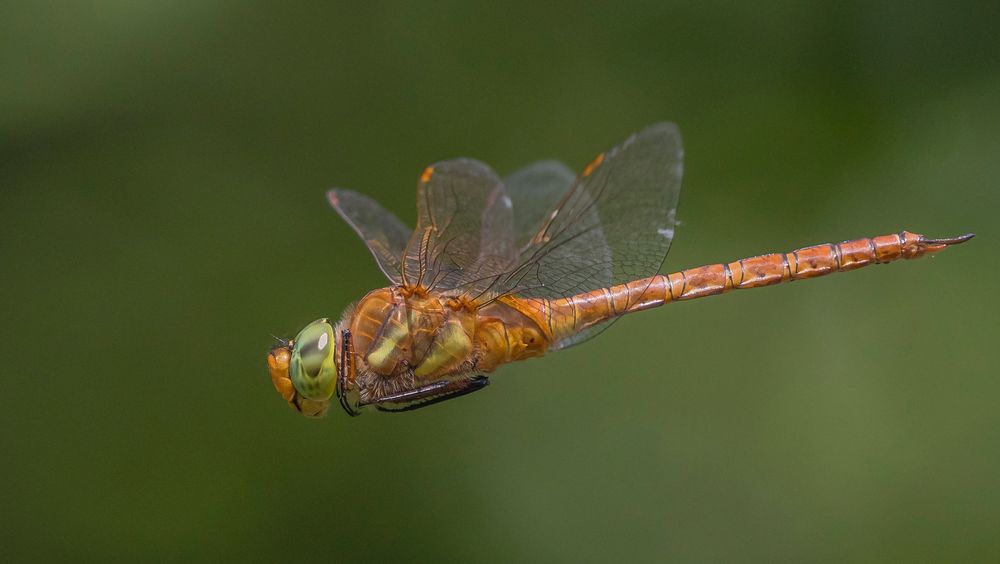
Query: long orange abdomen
[569,316]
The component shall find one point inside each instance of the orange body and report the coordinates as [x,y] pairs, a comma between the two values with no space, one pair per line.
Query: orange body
[585,310]
[498,270]
[404,338]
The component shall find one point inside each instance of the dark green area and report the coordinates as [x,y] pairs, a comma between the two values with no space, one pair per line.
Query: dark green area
[163,168]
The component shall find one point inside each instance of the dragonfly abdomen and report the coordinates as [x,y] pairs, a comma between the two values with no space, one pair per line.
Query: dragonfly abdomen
[571,315]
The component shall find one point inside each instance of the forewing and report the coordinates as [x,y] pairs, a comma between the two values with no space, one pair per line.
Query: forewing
[464,234]
[614,224]
[384,234]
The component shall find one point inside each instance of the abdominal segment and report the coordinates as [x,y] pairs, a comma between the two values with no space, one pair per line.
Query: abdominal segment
[507,331]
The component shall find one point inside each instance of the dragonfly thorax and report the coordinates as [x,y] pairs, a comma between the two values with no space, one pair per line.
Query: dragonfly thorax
[402,340]
[397,332]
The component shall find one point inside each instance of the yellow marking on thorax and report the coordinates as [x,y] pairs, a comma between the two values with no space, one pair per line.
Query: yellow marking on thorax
[392,345]
[451,347]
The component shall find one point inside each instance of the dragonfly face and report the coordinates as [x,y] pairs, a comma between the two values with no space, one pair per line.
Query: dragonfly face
[312,367]
[304,370]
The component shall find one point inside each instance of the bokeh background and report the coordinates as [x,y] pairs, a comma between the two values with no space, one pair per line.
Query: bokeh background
[163,168]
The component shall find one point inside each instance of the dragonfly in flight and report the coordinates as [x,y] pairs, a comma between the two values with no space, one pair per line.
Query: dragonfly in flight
[503,270]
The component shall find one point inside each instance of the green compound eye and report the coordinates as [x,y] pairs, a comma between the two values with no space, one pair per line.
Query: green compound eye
[313,369]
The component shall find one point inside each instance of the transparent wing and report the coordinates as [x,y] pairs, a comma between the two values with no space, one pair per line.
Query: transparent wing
[544,236]
[464,233]
[614,224]
[384,234]
[534,191]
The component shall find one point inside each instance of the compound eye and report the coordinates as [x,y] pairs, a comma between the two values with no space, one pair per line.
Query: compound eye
[313,369]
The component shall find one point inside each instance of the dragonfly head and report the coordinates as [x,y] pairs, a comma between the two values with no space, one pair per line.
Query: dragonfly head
[304,370]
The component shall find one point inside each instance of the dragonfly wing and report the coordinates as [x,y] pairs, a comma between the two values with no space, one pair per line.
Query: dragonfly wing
[384,234]
[534,191]
[613,225]
[464,233]
[625,198]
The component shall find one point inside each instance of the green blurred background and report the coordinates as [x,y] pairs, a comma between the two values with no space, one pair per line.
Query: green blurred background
[163,167]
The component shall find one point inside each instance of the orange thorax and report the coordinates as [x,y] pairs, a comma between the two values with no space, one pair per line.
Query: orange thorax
[399,331]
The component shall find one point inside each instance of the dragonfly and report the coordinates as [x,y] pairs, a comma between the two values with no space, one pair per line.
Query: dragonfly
[502,270]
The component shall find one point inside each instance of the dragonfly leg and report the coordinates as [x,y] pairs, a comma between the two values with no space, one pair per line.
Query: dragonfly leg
[344,369]
[430,394]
